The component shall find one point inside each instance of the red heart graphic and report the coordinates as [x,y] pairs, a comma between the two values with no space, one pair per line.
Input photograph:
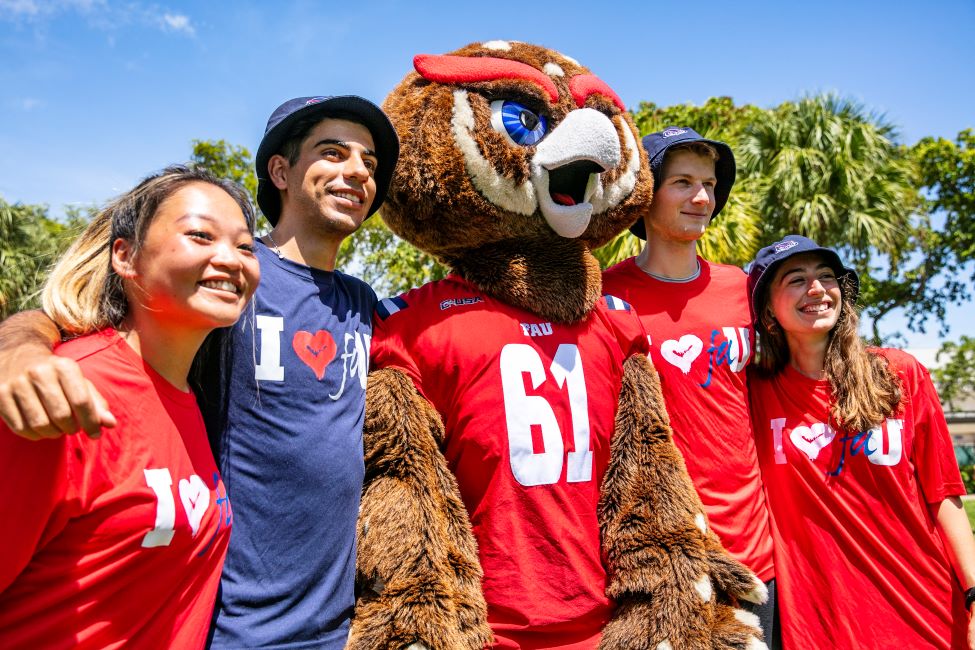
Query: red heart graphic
[315,350]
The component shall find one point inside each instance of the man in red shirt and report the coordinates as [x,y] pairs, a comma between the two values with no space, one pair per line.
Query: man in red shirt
[696,315]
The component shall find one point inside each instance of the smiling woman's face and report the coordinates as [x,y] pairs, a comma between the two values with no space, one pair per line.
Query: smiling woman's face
[805,296]
[196,268]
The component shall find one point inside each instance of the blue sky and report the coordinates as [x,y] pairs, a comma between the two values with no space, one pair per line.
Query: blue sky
[94,94]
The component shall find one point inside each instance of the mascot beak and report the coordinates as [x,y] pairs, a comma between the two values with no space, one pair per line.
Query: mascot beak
[566,168]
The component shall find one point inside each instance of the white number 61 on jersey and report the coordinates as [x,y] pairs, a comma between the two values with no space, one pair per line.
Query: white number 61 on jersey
[522,411]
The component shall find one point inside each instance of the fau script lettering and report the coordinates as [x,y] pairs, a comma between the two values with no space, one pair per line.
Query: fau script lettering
[882,446]
[732,352]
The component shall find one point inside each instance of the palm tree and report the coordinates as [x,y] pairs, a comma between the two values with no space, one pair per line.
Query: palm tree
[29,242]
[17,268]
[831,171]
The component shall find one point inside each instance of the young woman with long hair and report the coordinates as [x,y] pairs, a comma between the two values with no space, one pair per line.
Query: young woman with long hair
[872,546]
[120,540]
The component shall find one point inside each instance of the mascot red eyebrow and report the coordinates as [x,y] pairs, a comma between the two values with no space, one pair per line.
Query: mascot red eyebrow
[522,488]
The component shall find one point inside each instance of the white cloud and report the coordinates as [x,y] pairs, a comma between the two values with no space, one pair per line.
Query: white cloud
[99,14]
[25,8]
[178,23]
[34,9]
[25,104]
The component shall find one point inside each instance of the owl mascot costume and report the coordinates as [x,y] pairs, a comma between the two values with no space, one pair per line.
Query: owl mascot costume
[522,489]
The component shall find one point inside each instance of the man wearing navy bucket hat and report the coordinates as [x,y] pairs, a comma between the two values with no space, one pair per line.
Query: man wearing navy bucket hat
[283,390]
[294,379]
[696,314]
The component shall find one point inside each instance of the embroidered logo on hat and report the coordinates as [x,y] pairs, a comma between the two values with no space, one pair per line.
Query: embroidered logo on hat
[315,100]
[781,247]
[669,133]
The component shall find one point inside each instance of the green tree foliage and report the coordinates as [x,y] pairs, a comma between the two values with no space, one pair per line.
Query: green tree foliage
[933,268]
[956,375]
[29,242]
[947,172]
[385,261]
[227,161]
[947,175]
[833,171]
[232,162]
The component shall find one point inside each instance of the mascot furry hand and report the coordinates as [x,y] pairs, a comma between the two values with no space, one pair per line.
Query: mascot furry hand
[515,405]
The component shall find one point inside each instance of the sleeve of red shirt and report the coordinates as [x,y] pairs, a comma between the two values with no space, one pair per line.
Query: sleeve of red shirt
[32,493]
[629,329]
[937,467]
[388,349]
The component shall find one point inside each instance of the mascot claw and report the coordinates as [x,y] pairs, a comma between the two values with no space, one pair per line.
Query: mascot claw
[759,594]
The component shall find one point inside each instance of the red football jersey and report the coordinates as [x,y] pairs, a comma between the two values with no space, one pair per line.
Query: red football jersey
[701,342]
[115,542]
[529,409]
[859,562]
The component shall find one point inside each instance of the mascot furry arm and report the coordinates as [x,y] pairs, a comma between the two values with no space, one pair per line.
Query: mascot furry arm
[516,162]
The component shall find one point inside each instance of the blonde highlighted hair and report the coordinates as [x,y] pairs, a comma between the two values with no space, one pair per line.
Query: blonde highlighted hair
[83,293]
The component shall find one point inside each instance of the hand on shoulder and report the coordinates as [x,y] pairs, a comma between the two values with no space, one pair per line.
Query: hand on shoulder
[45,396]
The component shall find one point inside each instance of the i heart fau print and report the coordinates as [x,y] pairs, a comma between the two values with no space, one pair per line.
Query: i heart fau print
[812,439]
[195,496]
[681,353]
[315,350]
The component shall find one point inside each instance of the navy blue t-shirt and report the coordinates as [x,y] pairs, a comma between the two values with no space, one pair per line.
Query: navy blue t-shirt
[290,407]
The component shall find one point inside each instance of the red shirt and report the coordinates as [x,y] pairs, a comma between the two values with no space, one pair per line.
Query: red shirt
[529,408]
[859,562]
[116,542]
[701,343]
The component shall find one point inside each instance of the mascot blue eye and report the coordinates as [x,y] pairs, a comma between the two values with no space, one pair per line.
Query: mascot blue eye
[523,126]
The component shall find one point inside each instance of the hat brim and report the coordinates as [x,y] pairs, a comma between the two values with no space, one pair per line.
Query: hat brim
[725,171]
[366,113]
[848,277]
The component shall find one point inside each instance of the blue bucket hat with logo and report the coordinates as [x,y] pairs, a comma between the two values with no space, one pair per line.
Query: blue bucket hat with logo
[768,259]
[285,116]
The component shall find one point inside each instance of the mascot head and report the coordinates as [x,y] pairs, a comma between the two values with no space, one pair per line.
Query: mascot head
[506,141]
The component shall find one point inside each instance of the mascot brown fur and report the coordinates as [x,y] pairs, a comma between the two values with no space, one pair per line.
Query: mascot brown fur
[515,218]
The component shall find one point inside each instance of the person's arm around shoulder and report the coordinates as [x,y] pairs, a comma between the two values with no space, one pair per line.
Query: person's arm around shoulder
[43,395]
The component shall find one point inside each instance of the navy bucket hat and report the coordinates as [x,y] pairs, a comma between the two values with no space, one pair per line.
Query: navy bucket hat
[657,145]
[283,119]
[762,270]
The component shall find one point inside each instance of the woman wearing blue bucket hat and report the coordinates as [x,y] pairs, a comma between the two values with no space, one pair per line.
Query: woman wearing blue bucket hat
[872,546]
